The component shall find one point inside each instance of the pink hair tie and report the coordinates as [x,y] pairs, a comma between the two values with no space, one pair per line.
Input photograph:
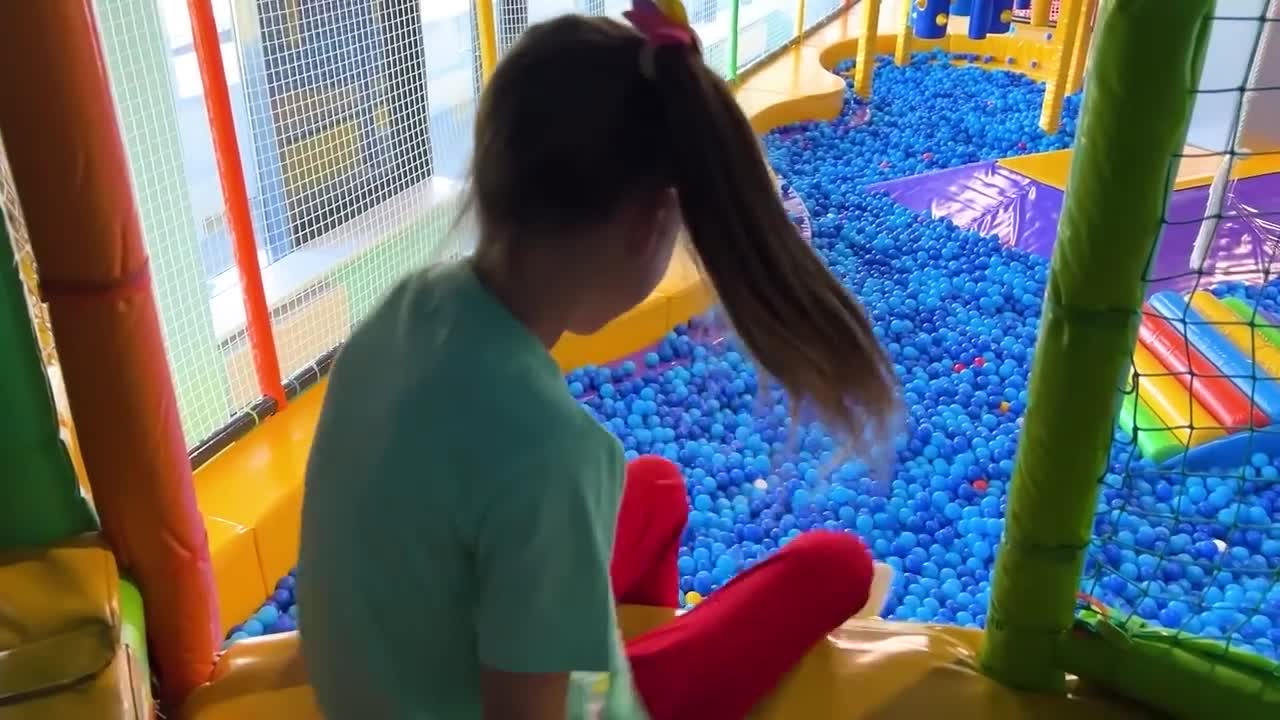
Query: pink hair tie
[662,26]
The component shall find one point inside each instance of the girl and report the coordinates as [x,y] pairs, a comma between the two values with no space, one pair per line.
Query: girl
[467,526]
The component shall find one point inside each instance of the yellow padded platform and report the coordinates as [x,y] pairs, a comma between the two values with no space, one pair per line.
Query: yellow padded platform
[237,572]
[262,678]
[1197,168]
[60,650]
[251,497]
[865,670]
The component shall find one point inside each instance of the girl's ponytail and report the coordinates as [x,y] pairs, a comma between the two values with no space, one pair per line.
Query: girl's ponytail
[795,318]
[585,114]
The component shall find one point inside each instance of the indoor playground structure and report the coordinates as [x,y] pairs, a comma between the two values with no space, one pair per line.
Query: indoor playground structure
[1060,216]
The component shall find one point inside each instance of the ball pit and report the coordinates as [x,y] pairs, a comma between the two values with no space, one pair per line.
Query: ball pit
[959,315]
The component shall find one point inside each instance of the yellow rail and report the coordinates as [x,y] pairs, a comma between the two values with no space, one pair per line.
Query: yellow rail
[1080,50]
[902,52]
[866,48]
[1057,87]
[487,29]
[1040,13]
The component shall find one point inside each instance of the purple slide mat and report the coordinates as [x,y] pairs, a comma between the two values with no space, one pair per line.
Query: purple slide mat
[1023,213]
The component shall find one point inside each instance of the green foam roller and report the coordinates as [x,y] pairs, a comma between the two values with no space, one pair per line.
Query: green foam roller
[1246,311]
[1155,441]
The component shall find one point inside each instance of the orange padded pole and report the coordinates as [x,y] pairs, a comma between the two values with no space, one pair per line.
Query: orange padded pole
[235,194]
[69,169]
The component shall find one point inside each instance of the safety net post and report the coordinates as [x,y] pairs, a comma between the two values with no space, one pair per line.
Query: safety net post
[1146,64]
[864,71]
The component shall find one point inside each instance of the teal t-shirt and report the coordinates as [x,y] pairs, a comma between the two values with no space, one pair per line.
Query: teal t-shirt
[459,512]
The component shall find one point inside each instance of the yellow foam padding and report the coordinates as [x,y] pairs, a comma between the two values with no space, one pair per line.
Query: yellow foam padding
[242,584]
[251,495]
[864,670]
[1248,340]
[1050,168]
[60,650]
[798,84]
[1185,417]
[681,295]
[874,670]
[259,679]
[1196,169]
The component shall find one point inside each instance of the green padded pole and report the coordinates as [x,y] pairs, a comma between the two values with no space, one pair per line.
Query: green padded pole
[40,499]
[1146,65]
[133,629]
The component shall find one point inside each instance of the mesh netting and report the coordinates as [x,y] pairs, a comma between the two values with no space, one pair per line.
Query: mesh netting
[360,116]
[816,11]
[354,126]
[1187,535]
[156,86]
[353,121]
[764,26]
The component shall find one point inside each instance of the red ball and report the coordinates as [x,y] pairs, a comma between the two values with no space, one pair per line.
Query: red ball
[927,156]
[958,367]
[979,361]
[980,485]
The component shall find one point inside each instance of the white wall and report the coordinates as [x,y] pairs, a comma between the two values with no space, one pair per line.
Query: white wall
[1231,49]
[1263,131]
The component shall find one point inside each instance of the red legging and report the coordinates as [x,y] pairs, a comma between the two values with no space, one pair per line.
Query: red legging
[720,659]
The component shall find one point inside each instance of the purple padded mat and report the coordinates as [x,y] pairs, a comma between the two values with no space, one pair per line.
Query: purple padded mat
[1023,213]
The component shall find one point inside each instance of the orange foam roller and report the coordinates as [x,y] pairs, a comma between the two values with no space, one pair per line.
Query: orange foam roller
[1248,340]
[1229,405]
[69,168]
[1185,417]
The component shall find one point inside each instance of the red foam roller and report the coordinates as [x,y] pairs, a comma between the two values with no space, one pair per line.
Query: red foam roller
[1216,392]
